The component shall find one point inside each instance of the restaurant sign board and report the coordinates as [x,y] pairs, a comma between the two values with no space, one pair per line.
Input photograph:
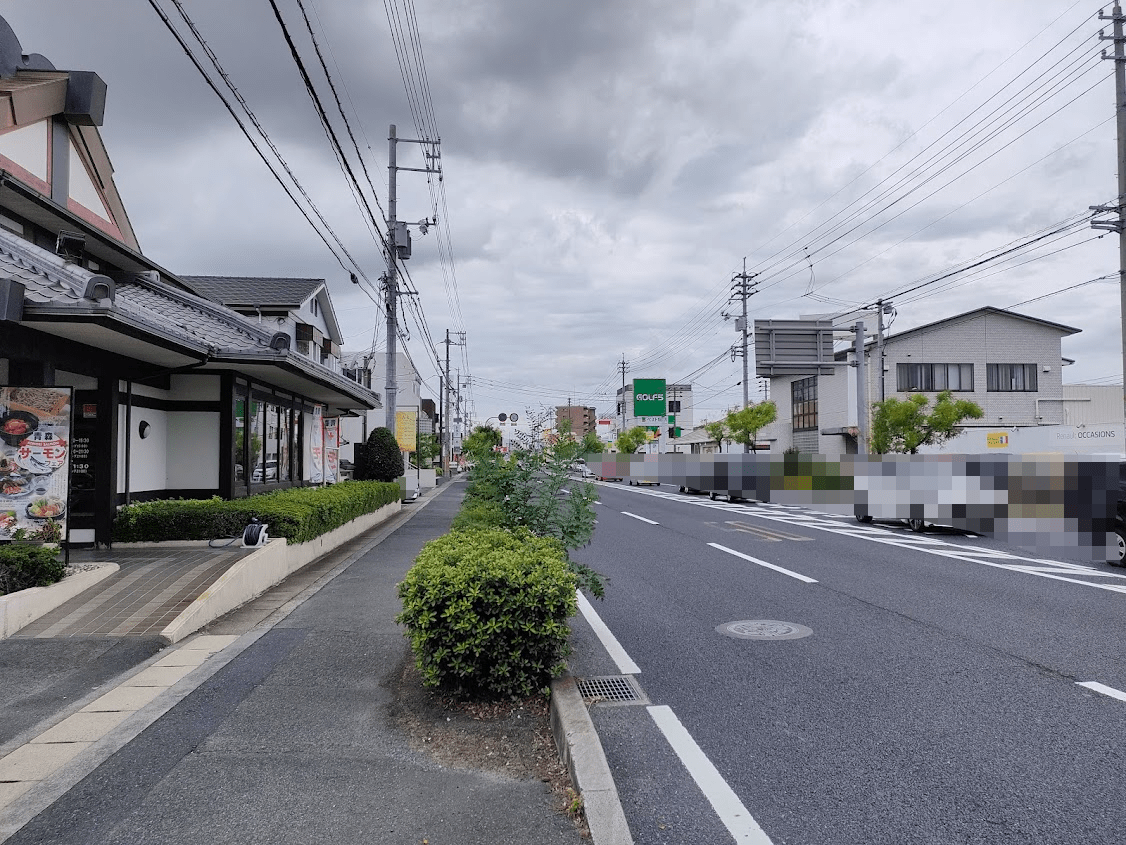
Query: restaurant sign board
[35,433]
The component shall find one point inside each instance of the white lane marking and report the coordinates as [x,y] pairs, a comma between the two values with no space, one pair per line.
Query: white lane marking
[804,578]
[724,801]
[609,642]
[1104,689]
[969,554]
[643,519]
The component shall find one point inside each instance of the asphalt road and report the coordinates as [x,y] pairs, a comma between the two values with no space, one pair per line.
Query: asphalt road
[937,700]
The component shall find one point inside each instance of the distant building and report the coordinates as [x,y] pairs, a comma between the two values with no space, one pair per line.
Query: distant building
[677,418]
[582,419]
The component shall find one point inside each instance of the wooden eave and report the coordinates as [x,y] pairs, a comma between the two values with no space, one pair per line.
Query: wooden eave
[32,96]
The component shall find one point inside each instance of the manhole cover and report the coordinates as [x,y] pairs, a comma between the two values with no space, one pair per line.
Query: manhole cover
[764,629]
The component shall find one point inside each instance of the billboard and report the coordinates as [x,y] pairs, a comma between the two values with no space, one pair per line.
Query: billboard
[794,347]
[649,398]
[406,428]
[34,462]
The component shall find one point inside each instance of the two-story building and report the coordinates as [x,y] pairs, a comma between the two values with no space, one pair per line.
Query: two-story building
[1008,363]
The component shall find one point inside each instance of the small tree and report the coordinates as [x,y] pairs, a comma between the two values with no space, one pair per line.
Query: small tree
[591,444]
[903,425]
[631,440]
[481,441]
[718,432]
[428,449]
[745,423]
[380,459]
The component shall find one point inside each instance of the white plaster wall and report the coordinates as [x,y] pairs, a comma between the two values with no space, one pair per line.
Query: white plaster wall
[148,468]
[192,450]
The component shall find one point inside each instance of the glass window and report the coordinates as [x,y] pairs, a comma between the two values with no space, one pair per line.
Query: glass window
[934,377]
[285,441]
[240,435]
[803,396]
[1011,378]
[257,435]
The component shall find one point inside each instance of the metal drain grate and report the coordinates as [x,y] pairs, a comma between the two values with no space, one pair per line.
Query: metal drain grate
[611,689]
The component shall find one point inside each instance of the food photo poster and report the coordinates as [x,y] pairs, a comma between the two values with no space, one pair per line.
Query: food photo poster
[34,462]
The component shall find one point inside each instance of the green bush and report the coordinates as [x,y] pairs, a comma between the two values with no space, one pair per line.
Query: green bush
[23,566]
[486,612]
[299,514]
[479,514]
[380,459]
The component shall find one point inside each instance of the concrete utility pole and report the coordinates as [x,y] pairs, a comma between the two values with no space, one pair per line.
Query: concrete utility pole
[623,368]
[398,248]
[880,305]
[1119,208]
[447,442]
[861,390]
[742,289]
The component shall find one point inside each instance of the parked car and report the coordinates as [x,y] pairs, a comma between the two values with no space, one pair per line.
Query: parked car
[1120,519]
[270,475]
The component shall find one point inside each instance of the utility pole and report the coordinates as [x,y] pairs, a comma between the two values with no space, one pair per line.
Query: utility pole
[880,343]
[398,247]
[861,390]
[742,289]
[1119,208]
[623,368]
[447,442]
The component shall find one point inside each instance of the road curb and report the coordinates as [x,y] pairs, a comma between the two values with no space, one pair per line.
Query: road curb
[580,749]
[20,609]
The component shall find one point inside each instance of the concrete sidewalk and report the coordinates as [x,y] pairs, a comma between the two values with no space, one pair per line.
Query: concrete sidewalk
[282,733]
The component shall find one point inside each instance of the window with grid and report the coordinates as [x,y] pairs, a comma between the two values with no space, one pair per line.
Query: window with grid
[803,396]
[1010,378]
[935,377]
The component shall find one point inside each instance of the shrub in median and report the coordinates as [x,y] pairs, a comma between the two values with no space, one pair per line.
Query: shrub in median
[299,514]
[23,566]
[486,611]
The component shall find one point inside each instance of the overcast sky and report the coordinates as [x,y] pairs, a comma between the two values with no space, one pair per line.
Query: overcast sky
[608,165]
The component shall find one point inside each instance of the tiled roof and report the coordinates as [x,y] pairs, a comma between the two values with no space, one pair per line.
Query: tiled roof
[50,280]
[251,291]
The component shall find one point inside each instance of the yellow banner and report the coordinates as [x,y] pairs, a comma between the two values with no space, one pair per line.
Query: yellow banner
[997,439]
[406,428]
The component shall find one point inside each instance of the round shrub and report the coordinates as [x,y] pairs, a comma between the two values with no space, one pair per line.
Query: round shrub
[24,566]
[486,612]
[380,459]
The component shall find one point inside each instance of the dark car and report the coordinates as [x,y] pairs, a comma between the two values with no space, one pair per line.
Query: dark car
[1120,519]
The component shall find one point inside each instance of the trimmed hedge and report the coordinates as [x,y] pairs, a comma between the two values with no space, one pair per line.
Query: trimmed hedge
[299,514]
[22,567]
[486,612]
[476,513]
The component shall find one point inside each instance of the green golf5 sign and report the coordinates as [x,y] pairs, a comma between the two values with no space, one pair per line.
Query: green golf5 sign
[649,397]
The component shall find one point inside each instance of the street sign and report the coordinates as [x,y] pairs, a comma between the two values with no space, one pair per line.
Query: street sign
[794,347]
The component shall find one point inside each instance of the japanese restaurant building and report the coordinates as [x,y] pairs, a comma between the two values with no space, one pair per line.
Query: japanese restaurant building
[173,393]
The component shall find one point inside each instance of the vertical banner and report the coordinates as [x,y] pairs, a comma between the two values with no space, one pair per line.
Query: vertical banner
[34,462]
[406,428]
[332,448]
[315,445]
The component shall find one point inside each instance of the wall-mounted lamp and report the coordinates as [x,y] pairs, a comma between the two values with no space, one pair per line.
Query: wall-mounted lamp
[143,429]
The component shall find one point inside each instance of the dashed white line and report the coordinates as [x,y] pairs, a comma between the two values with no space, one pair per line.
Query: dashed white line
[609,642]
[1104,689]
[735,817]
[643,519]
[755,560]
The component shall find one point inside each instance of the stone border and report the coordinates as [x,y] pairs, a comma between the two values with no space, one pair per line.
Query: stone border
[20,609]
[256,572]
[581,751]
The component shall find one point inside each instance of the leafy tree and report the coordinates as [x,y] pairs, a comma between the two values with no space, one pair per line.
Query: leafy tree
[591,444]
[745,423]
[903,425]
[380,459]
[427,450]
[718,432]
[631,440]
[481,441]
[533,488]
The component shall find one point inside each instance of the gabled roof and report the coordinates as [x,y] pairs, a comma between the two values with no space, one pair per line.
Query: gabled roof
[254,291]
[980,312]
